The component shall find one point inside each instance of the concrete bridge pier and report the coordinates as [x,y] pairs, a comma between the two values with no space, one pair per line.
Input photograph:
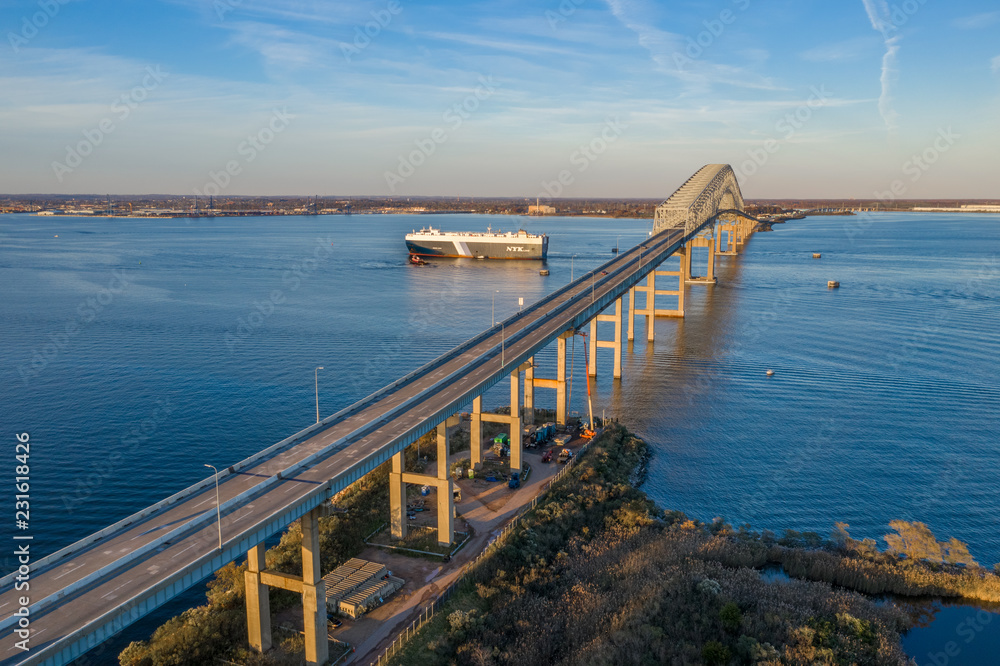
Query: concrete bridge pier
[531,382]
[529,391]
[617,317]
[258,601]
[310,585]
[649,310]
[707,240]
[399,478]
[729,227]
[513,420]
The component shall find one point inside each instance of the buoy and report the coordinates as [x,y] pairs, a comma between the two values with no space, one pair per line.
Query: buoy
[816,255]
[543,272]
[832,284]
[770,373]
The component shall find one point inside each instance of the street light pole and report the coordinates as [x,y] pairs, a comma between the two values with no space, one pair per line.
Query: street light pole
[503,341]
[571,267]
[493,309]
[316,372]
[218,504]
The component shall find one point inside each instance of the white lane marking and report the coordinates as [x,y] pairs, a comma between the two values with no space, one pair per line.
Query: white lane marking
[69,571]
[105,596]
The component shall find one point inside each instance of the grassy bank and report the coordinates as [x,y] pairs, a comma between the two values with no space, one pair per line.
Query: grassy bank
[598,575]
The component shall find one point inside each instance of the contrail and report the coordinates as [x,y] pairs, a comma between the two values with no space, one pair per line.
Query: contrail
[879,15]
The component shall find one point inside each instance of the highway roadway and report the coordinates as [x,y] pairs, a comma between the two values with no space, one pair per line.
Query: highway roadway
[100,587]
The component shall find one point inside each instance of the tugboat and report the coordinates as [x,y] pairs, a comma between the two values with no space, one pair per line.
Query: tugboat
[416,261]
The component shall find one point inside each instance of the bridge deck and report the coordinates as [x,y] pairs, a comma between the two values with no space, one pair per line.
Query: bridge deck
[101,587]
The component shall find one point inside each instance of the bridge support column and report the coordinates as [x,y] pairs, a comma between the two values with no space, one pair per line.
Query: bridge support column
[515,423]
[647,310]
[397,498]
[561,401]
[258,602]
[313,593]
[730,229]
[476,433]
[310,585]
[683,274]
[445,490]
[707,241]
[531,382]
[712,235]
[529,391]
[615,344]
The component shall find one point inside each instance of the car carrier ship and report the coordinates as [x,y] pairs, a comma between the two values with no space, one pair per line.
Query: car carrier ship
[431,242]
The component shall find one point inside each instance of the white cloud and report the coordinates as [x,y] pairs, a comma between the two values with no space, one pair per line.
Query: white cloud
[879,15]
[845,51]
[670,51]
[976,21]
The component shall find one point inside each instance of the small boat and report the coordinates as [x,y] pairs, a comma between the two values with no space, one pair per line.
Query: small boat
[770,373]
[416,261]
[816,255]
[544,271]
[833,284]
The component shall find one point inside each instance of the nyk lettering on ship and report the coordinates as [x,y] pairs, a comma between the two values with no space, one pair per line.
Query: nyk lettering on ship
[431,242]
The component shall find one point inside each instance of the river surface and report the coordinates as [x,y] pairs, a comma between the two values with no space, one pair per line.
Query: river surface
[136,351]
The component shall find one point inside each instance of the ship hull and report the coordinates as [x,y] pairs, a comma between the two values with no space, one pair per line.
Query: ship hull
[514,248]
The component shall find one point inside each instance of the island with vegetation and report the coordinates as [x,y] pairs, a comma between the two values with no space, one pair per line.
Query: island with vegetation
[596,573]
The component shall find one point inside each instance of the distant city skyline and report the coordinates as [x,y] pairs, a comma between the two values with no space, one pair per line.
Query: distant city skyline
[570,98]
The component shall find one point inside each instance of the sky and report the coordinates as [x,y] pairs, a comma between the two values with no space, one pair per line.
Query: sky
[574,98]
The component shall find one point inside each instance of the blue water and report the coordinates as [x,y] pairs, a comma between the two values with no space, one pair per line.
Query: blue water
[883,405]
[946,635]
